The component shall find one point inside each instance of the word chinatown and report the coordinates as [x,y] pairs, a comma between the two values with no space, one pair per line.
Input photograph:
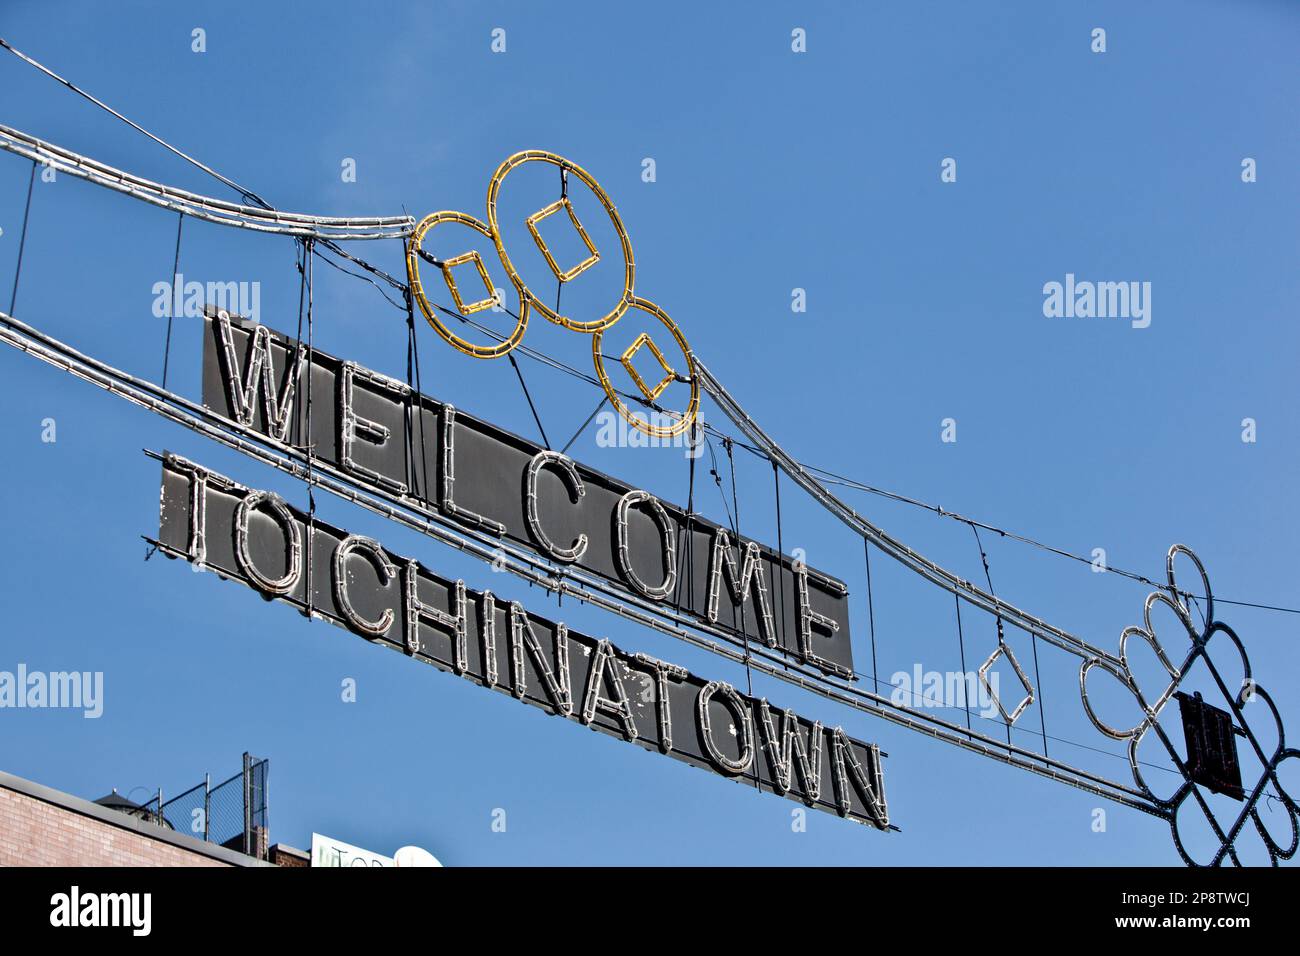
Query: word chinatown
[255,538]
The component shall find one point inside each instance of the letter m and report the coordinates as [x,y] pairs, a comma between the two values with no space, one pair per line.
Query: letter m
[749,580]
[258,376]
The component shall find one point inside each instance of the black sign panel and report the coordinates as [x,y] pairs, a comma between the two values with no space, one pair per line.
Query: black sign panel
[255,538]
[1211,746]
[407,446]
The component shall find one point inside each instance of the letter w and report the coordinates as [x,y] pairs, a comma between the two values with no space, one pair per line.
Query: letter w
[788,746]
[259,376]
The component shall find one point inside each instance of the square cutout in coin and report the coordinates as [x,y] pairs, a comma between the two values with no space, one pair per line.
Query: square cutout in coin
[460,260]
[581,267]
[669,375]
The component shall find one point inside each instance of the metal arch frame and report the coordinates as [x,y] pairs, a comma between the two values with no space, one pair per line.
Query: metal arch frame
[923,566]
[203,207]
[274,221]
[1117,666]
[292,461]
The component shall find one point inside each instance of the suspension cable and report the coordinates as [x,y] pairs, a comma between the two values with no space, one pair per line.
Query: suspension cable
[247,194]
[175,297]
[22,239]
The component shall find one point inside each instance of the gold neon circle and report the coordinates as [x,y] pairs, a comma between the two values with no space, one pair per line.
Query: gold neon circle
[629,265]
[654,431]
[431,313]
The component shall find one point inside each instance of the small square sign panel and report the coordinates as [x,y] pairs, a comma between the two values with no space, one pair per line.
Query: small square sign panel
[1211,746]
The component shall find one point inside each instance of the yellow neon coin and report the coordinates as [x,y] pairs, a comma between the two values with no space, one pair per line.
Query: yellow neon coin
[431,312]
[629,264]
[653,430]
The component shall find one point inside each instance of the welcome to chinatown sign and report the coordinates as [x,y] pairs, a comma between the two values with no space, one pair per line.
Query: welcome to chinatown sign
[390,442]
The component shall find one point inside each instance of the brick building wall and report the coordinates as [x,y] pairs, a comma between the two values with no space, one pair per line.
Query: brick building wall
[42,827]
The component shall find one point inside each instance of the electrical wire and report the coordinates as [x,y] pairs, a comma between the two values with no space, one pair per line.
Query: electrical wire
[22,240]
[247,194]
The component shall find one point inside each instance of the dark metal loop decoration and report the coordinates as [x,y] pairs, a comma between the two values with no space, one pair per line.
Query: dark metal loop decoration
[1199,641]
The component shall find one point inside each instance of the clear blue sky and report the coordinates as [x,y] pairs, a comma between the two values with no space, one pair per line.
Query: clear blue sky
[775,170]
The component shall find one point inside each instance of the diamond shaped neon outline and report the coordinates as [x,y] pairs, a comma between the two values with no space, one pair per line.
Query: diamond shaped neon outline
[1015,666]
[532,221]
[472,256]
[669,377]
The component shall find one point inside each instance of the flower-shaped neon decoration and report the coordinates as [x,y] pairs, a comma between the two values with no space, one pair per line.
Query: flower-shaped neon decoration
[1188,795]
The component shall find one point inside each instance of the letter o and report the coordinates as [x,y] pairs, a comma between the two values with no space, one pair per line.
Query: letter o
[667,536]
[736,704]
[278,510]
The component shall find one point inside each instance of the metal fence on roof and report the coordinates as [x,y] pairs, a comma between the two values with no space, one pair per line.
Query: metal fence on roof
[232,813]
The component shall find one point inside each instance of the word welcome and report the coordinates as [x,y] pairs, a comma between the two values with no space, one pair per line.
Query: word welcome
[255,538]
[379,433]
